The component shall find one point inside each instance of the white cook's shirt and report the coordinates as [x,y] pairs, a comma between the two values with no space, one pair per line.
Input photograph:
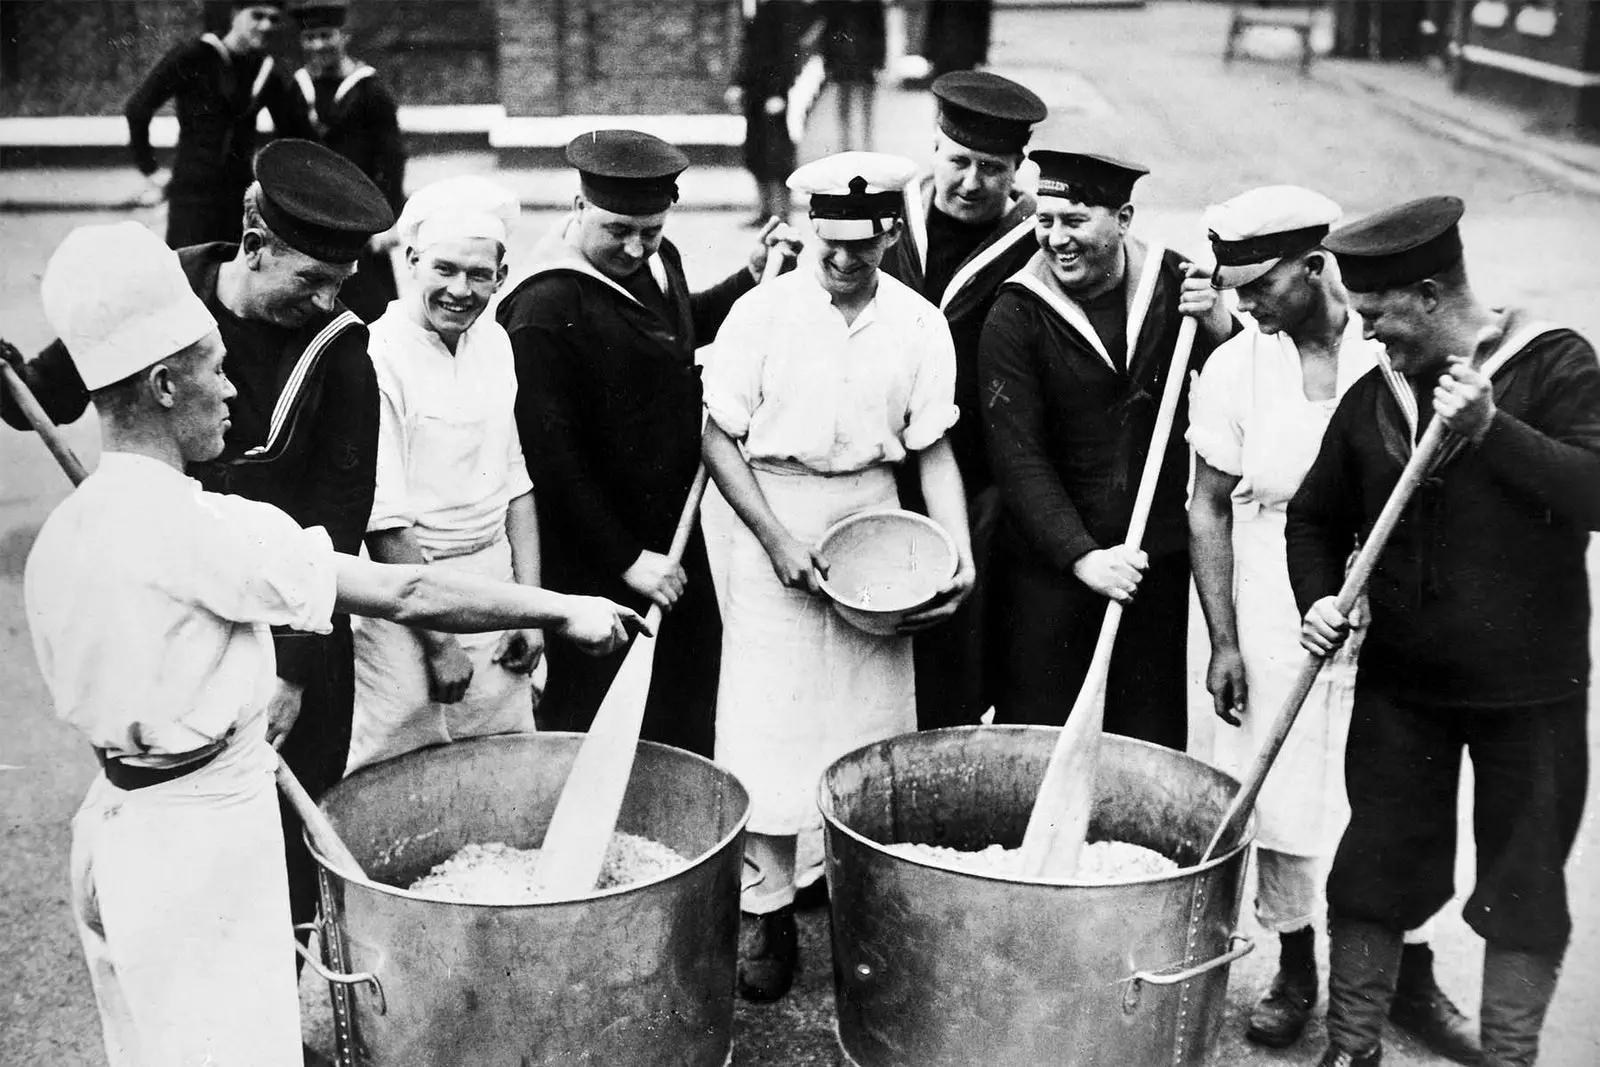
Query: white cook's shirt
[791,380]
[151,604]
[1249,416]
[449,458]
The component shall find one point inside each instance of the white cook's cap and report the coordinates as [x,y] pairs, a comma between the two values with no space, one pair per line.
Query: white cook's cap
[457,208]
[118,299]
[854,195]
[1253,231]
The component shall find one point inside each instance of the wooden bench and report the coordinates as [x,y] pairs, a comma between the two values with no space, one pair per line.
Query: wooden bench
[1297,17]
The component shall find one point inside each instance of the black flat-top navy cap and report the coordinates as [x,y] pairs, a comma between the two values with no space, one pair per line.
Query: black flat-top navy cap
[319,202]
[985,111]
[1086,178]
[1399,245]
[627,171]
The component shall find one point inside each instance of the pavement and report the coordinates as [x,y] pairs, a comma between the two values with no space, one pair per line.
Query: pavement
[1146,84]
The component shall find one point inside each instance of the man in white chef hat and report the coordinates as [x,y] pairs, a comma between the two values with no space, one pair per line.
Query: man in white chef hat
[822,381]
[452,488]
[1256,419]
[150,604]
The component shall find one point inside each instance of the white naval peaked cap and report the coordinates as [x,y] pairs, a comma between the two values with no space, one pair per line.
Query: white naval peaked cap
[854,195]
[1253,231]
[118,299]
[455,208]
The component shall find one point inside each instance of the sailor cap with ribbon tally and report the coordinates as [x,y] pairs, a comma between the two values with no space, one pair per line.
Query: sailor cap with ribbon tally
[1253,231]
[319,14]
[854,195]
[627,172]
[119,300]
[1399,246]
[318,202]
[985,112]
[457,208]
[1084,178]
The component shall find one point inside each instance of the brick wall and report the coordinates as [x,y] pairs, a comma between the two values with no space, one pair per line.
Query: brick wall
[84,57]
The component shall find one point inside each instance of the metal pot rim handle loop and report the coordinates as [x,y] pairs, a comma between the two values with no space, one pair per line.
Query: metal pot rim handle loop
[1238,947]
[359,978]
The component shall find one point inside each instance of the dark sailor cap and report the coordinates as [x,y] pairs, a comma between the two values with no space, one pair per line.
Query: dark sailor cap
[1400,245]
[241,4]
[319,202]
[319,14]
[986,112]
[626,171]
[1085,178]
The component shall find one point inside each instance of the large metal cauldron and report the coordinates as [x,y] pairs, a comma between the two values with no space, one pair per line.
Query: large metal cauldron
[936,968]
[640,975]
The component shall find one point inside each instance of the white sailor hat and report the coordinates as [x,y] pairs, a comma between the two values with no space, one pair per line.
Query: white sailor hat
[854,195]
[1253,231]
[460,207]
[118,298]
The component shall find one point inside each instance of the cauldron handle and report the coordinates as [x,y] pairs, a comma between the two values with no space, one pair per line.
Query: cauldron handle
[359,978]
[1238,947]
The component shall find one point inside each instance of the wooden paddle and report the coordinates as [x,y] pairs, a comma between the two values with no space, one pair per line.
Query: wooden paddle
[1060,819]
[1355,581]
[323,835]
[580,830]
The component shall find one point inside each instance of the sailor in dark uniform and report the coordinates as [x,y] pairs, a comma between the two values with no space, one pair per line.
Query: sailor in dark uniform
[968,229]
[356,117]
[304,431]
[604,330]
[219,86]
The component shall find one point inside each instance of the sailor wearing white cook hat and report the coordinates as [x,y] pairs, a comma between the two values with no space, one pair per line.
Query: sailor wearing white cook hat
[150,604]
[822,381]
[452,487]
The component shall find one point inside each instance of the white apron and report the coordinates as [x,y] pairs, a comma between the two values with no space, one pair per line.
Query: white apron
[393,714]
[183,908]
[1302,807]
[799,686]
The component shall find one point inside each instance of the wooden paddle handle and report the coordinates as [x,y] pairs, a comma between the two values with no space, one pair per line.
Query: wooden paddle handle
[680,536]
[1165,416]
[323,835]
[47,430]
[1354,582]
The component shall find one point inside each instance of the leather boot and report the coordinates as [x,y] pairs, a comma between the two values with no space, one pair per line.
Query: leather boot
[1517,987]
[1280,1017]
[769,954]
[1363,960]
[1421,1009]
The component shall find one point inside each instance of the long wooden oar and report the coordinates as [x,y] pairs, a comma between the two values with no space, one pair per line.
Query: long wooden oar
[1060,819]
[323,835]
[574,848]
[1355,581]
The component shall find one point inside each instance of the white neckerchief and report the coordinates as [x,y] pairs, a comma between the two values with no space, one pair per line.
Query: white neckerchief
[1074,315]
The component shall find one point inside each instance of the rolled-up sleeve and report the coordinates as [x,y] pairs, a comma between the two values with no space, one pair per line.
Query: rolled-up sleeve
[1215,431]
[932,410]
[731,378]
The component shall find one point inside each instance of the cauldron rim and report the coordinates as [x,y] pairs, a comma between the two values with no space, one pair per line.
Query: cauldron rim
[690,865]
[824,804]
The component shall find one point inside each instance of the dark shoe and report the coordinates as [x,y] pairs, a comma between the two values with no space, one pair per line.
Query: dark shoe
[1421,1009]
[1339,1057]
[1280,1017]
[1517,987]
[769,954]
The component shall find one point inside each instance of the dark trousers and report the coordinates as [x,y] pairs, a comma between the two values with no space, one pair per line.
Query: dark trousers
[951,659]
[316,750]
[1395,864]
[198,220]
[682,707]
[1044,628]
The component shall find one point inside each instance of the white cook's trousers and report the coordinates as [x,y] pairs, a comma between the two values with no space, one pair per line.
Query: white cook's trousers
[182,903]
